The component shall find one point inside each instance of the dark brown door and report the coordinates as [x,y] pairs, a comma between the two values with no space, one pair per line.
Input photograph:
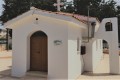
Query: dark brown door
[38,56]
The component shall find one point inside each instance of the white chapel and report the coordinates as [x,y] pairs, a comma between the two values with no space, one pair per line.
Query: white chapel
[61,44]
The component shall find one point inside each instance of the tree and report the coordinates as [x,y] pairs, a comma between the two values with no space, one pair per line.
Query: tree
[97,8]
[108,9]
[81,7]
[118,15]
[13,8]
[68,7]
[118,10]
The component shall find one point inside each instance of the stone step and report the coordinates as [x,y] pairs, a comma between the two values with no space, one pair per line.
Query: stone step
[37,74]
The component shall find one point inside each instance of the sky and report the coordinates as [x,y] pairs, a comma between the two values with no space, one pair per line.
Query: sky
[118,1]
[1,2]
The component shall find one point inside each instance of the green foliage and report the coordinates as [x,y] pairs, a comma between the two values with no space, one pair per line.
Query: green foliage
[13,8]
[81,6]
[97,8]
[68,7]
[108,9]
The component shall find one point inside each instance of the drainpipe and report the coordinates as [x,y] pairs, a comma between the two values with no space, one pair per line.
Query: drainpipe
[7,39]
[93,24]
[88,21]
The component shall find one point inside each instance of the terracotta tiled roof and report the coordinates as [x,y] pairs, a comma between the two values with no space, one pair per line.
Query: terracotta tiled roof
[81,18]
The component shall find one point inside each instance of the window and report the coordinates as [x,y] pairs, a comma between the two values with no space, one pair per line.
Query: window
[83,50]
[108,26]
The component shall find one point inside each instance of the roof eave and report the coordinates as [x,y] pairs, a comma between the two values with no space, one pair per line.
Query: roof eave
[44,13]
[8,23]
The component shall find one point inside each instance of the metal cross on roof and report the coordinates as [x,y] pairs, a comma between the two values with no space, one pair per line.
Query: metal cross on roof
[58,4]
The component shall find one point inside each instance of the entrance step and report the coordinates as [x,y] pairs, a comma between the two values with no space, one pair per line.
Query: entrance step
[37,74]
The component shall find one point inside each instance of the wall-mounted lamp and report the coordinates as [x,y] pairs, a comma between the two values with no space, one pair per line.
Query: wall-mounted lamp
[57,42]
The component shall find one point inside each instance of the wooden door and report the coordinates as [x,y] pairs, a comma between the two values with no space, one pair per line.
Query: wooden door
[38,56]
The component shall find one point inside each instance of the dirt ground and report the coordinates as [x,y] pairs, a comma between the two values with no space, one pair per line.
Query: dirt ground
[5,68]
[101,72]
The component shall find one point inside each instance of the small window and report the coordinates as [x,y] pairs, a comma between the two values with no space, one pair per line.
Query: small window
[108,26]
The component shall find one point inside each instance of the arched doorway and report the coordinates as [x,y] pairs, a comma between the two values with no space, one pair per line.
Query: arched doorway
[39,52]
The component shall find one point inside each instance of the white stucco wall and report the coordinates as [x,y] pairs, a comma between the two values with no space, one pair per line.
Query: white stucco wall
[93,54]
[75,64]
[91,58]
[90,47]
[57,55]
[112,38]
[87,58]
[97,51]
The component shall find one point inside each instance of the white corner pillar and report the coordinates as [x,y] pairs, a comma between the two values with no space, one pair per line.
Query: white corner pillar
[114,58]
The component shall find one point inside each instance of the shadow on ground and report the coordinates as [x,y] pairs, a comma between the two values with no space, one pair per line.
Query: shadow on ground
[97,74]
[6,75]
